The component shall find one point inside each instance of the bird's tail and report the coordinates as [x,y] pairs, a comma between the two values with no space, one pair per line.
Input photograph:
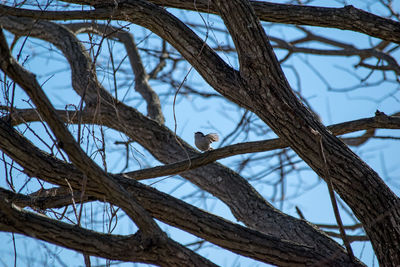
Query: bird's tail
[213,137]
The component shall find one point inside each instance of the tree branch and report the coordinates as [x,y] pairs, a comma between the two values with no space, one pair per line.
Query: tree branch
[345,18]
[276,104]
[231,236]
[115,247]
[166,208]
[380,121]
[141,77]
[160,141]
[112,190]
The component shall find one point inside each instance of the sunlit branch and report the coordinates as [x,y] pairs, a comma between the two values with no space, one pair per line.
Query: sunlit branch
[340,18]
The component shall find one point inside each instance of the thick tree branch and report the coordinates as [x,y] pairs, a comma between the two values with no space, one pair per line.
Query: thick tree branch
[380,121]
[346,18]
[61,197]
[125,248]
[275,103]
[231,236]
[161,206]
[111,189]
[245,203]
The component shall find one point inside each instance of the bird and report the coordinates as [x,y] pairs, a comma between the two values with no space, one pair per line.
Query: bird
[203,142]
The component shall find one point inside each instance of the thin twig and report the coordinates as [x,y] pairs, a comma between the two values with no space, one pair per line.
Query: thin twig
[333,200]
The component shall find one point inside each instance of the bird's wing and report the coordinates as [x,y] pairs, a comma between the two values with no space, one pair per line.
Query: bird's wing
[213,137]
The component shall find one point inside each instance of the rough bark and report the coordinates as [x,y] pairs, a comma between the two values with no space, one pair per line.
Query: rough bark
[345,18]
[124,248]
[149,231]
[245,203]
[244,241]
[275,103]
[380,121]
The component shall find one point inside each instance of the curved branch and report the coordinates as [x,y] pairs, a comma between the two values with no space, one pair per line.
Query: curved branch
[345,18]
[141,78]
[84,79]
[115,247]
[215,70]
[380,121]
[244,241]
[275,103]
[111,189]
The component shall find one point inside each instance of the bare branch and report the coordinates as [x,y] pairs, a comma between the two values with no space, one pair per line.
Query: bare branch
[275,103]
[369,124]
[29,83]
[350,238]
[161,206]
[116,247]
[346,18]
[141,77]
[233,237]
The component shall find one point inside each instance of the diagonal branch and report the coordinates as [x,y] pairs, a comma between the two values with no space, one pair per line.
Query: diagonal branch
[162,206]
[236,238]
[115,247]
[142,85]
[59,197]
[345,18]
[380,121]
[276,104]
[127,201]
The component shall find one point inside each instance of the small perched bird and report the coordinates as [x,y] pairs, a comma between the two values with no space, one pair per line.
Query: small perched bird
[203,142]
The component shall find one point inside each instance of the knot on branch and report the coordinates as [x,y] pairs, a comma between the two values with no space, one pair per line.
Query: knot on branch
[381,116]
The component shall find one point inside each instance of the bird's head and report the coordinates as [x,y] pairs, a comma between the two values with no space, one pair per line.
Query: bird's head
[198,134]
